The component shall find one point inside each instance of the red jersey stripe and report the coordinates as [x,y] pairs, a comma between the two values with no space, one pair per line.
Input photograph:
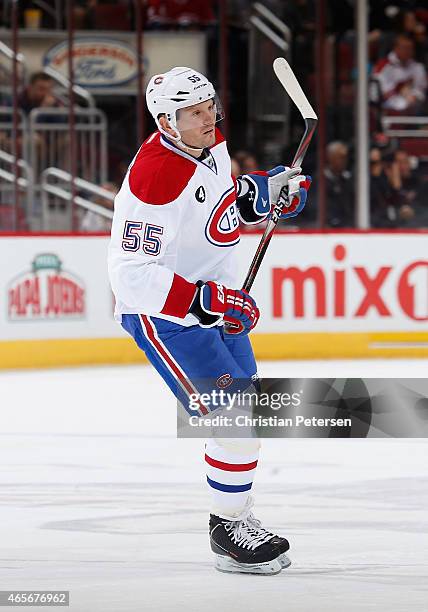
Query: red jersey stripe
[172,365]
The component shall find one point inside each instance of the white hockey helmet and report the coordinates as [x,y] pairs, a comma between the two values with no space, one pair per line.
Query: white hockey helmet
[178,88]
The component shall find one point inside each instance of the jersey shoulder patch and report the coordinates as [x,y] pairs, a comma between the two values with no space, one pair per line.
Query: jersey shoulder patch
[158,176]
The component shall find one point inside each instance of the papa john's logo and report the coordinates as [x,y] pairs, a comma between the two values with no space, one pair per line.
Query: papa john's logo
[222,228]
[46,292]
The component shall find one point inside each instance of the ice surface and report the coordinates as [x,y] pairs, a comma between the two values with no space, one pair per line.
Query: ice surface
[99,497]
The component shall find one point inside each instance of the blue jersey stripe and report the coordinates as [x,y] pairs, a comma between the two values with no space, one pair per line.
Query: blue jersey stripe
[229,488]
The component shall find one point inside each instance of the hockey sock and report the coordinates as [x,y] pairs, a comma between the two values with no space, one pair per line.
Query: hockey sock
[230,476]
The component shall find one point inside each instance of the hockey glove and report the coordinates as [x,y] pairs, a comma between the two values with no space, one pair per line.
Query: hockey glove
[259,191]
[214,303]
[297,186]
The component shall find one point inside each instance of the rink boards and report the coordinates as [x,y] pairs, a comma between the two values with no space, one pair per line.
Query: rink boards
[321,295]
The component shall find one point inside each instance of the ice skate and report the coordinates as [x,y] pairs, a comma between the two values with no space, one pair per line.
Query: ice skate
[244,546]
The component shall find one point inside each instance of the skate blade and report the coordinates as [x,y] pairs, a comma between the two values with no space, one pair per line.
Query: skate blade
[228,565]
[284,560]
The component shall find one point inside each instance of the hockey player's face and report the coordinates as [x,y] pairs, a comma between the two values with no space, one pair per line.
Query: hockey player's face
[197,124]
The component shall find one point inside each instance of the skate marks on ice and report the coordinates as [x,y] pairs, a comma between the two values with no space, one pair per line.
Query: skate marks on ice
[121,520]
[374,528]
[153,527]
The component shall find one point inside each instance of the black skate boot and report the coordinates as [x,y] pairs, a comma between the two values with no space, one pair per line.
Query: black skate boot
[245,546]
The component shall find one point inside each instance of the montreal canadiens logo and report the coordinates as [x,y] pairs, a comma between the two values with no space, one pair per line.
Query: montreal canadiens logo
[222,228]
[224,381]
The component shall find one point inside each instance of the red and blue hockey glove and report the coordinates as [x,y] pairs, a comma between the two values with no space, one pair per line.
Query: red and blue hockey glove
[214,302]
[297,189]
[259,191]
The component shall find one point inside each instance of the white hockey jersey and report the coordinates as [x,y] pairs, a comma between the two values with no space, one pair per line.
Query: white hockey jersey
[175,222]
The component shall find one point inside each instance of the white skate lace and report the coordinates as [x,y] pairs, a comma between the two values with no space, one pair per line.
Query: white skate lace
[248,533]
[257,524]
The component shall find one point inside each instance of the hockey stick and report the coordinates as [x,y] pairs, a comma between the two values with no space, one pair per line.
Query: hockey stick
[291,85]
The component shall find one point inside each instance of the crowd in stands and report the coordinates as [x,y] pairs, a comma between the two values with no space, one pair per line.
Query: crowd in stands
[399,166]
[398,61]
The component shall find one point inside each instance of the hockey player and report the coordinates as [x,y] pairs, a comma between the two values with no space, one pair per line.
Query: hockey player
[172,265]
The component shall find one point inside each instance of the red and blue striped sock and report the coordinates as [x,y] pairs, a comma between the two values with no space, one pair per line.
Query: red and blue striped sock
[230,478]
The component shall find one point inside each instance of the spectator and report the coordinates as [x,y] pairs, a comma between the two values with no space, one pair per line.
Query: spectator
[413,209]
[384,192]
[91,221]
[38,93]
[402,80]
[403,22]
[416,29]
[339,186]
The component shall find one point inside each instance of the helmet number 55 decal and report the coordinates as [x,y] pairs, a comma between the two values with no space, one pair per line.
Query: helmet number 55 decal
[131,240]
